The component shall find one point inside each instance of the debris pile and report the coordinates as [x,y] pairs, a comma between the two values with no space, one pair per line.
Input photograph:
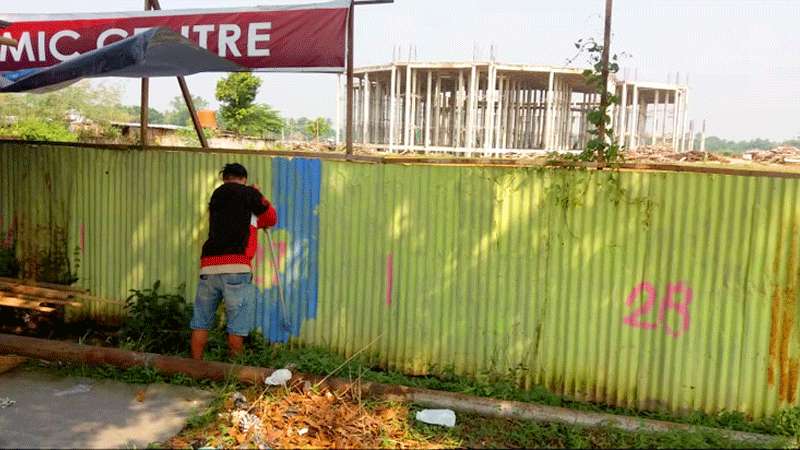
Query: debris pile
[660,154]
[778,155]
[302,417]
[41,297]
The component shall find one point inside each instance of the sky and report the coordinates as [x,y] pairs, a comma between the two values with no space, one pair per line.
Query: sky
[741,57]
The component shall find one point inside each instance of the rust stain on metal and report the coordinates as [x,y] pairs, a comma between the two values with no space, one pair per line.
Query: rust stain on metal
[783,368]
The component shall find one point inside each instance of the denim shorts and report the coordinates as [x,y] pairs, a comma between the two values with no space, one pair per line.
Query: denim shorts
[240,302]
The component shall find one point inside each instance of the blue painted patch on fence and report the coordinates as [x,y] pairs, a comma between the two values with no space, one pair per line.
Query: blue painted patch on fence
[296,185]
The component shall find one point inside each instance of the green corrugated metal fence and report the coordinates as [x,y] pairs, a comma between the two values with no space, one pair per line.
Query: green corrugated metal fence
[647,289]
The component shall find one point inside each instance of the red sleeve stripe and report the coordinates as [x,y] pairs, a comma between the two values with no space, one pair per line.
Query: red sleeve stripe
[268,218]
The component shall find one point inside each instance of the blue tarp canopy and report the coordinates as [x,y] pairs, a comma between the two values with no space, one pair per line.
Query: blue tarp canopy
[157,52]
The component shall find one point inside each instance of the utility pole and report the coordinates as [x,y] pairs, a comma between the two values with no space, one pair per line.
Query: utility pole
[604,93]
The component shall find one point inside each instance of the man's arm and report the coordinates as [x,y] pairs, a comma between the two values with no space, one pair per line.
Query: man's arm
[263,210]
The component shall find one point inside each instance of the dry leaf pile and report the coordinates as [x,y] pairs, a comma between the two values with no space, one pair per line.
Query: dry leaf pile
[302,418]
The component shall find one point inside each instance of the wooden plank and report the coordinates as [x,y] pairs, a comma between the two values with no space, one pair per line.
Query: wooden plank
[41,284]
[15,302]
[36,292]
[42,300]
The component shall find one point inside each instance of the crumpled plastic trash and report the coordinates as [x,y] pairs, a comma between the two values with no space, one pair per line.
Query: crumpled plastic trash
[239,400]
[442,417]
[77,389]
[247,422]
[5,402]
[279,377]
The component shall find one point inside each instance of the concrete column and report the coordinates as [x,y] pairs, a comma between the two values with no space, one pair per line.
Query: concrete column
[703,137]
[392,106]
[654,131]
[471,105]
[663,133]
[338,109]
[634,135]
[428,110]
[685,120]
[675,116]
[365,87]
[623,113]
[498,127]
[437,110]
[459,107]
[548,118]
[407,109]
[491,90]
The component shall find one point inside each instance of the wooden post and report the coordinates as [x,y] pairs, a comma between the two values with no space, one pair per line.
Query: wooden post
[144,104]
[349,94]
[604,77]
[187,96]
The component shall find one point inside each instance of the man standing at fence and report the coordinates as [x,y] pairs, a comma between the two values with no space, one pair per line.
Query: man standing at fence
[237,211]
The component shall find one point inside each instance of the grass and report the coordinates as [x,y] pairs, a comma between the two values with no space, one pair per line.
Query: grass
[478,432]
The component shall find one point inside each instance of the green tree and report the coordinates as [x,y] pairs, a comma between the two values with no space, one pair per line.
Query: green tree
[34,129]
[319,128]
[134,114]
[239,112]
[178,114]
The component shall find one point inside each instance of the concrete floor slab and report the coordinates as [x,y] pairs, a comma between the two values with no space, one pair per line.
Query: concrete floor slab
[53,411]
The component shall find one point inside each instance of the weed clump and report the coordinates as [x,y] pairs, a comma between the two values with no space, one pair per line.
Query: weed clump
[157,322]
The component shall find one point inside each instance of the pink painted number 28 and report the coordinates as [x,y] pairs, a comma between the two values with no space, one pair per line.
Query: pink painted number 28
[668,302]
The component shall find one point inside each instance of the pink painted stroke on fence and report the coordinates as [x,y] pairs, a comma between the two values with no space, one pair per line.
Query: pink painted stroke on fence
[389,278]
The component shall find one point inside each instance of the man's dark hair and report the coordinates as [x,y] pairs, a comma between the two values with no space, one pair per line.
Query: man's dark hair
[233,170]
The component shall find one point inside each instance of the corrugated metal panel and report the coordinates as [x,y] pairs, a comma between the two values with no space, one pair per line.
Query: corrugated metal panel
[529,273]
[541,274]
[136,217]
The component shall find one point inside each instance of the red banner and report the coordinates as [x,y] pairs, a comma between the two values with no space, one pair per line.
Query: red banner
[270,38]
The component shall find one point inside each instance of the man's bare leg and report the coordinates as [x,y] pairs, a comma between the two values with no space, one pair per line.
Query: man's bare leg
[199,341]
[235,344]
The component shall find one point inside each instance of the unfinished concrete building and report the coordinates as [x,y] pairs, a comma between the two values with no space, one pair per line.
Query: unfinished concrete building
[491,108]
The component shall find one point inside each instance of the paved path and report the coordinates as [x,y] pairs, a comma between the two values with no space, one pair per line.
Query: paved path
[66,412]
